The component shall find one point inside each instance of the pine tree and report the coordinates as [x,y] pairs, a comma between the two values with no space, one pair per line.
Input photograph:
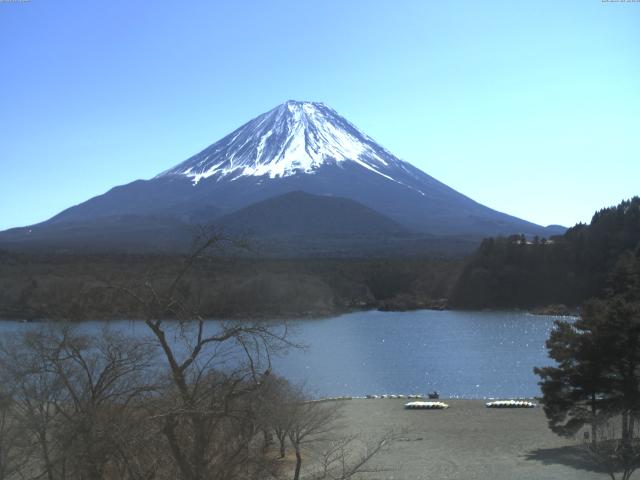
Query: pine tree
[597,379]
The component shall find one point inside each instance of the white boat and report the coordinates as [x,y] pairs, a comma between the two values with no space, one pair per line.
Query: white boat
[510,404]
[426,405]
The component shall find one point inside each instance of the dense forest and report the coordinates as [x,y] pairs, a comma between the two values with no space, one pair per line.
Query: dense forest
[74,286]
[516,272]
[505,272]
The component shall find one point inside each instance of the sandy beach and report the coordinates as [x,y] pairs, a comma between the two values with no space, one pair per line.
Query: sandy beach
[466,441]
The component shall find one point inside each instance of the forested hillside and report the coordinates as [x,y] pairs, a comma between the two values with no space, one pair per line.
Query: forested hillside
[514,272]
[505,272]
[80,287]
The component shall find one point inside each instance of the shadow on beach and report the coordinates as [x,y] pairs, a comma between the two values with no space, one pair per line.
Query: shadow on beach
[570,456]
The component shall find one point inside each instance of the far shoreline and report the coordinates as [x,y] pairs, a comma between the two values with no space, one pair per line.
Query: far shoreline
[549,311]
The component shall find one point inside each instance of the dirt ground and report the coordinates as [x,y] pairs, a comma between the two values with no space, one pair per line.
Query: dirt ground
[466,441]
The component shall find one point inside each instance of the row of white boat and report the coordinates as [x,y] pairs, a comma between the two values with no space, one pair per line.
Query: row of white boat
[429,405]
[426,405]
[511,404]
[370,397]
[495,404]
[415,395]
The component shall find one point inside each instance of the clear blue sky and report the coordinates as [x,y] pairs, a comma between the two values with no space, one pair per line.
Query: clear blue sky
[532,108]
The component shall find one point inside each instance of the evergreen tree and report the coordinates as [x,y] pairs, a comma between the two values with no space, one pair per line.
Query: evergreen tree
[511,273]
[574,390]
[596,381]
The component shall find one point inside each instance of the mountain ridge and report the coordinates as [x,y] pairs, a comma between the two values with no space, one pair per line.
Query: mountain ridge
[297,146]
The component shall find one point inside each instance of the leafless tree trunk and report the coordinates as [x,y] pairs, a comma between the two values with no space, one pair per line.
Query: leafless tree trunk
[341,460]
[315,428]
[282,434]
[617,450]
[309,422]
[14,444]
[214,369]
[76,398]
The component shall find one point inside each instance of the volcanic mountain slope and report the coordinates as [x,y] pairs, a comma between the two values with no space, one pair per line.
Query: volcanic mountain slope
[297,146]
[299,223]
[300,214]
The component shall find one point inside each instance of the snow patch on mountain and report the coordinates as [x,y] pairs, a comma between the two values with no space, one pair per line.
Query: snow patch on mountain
[293,138]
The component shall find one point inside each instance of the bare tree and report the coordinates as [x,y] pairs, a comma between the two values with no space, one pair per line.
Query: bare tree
[35,391]
[193,400]
[76,396]
[345,457]
[13,442]
[315,428]
[309,422]
[213,369]
[277,400]
[615,454]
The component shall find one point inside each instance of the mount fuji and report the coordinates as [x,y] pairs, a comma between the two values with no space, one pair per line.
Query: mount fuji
[321,165]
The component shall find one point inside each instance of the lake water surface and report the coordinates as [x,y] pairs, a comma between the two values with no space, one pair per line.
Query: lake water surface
[464,354]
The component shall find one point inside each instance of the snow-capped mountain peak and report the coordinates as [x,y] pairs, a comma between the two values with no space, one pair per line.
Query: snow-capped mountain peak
[274,175]
[293,138]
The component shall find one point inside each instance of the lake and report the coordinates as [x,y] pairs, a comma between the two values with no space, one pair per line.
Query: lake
[458,353]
